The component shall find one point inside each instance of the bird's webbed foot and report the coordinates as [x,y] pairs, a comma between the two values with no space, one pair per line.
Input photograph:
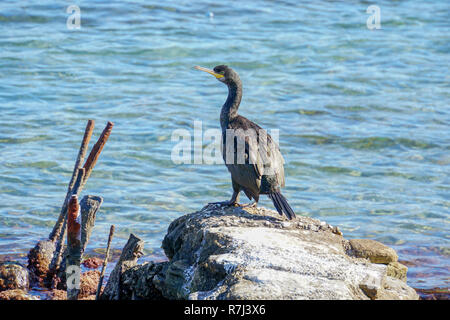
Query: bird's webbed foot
[249,205]
[233,202]
[228,203]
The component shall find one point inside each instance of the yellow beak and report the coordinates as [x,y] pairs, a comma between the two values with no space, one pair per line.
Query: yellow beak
[217,75]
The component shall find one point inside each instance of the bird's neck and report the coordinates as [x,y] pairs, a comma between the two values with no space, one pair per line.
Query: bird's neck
[231,106]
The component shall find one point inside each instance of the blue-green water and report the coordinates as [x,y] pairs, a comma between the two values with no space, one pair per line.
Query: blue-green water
[363,114]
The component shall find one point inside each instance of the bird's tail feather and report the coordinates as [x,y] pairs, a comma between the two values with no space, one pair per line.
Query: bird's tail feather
[281,204]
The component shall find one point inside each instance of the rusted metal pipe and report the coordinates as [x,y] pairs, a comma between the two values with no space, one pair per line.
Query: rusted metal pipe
[57,258]
[56,232]
[95,152]
[74,248]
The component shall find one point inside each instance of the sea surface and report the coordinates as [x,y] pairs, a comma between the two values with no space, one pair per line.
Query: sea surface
[363,115]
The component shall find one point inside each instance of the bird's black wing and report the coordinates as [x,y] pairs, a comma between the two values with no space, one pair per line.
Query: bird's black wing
[271,158]
[260,155]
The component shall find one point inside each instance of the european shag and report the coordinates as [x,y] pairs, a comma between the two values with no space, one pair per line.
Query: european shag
[252,157]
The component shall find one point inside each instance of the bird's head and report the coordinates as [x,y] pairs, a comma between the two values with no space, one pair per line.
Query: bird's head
[222,73]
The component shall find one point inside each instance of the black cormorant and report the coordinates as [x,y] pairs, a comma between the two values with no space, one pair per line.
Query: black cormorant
[260,169]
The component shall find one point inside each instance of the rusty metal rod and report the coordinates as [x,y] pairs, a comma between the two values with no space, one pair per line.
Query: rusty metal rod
[95,152]
[60,240]
[56,232]
[105,262]
[73,270]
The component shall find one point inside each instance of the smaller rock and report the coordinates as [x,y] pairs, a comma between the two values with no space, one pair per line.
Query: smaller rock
[16,294]
[88,287]
[285,224]
[397,270]
[92,263]
[88,283]
[62,295]
[57,295]
[395,289]
[13,276]
[371,287]
[336,230]
[373,250]
[40,258]
[434,294]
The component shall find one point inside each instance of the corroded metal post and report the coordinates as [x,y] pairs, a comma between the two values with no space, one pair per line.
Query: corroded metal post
[95,152]
[74,247]
[46,260]
[55,234]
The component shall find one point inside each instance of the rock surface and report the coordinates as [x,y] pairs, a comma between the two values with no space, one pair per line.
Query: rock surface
[88,287]
[92,263]
[253,253]
[137,282]
[40,258]
[57,294]
[373,250]
[17,294]
[88,283]
[13,276]
[397,270]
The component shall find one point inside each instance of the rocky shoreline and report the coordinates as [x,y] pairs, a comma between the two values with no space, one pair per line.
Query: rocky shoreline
[246,253]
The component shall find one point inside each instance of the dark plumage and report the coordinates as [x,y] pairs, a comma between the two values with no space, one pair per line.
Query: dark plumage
[256,166]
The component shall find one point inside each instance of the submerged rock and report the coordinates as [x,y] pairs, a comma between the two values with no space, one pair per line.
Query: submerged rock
[57,294]
[88,287]
[255,254]
[17,294]
[13,276]
[92,263]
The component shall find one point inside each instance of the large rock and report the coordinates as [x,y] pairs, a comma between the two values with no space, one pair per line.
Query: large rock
[13,276]
[253,253]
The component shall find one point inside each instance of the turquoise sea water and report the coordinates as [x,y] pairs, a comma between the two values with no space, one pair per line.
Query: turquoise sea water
[363,114]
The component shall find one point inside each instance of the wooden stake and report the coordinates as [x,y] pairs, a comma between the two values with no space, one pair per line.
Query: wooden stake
[89,206]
